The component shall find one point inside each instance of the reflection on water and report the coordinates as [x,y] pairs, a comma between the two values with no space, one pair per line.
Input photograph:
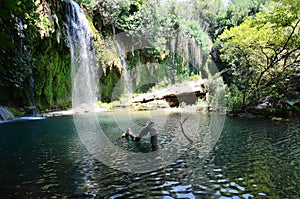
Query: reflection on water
[252,158]
[176,130]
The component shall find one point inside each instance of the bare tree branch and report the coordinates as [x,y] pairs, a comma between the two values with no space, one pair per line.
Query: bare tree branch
[181,125]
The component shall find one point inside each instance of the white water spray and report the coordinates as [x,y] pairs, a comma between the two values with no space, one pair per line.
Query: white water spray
[88,126]
[125,73]
[84,70]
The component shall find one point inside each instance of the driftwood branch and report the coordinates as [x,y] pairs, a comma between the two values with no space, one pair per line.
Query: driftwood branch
[181,125]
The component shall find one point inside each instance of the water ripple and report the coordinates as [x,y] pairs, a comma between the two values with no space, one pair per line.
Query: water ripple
[253,159]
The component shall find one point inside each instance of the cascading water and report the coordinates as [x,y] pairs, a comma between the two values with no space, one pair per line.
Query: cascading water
[84,70]
[126,75]
[88,128]
[190,50]
[5,114]
[33,111]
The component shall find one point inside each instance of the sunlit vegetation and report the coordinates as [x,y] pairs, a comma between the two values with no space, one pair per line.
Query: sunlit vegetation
[255,45]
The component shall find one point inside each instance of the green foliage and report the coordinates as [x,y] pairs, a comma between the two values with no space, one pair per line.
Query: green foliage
[106,106]
[234,98]
[263,52]
[127,19]
[89,4]
[53,80]
[45,21]
[16,19]
[221,16]
[150,67]
[215,88]
[108,84]
[202,105]
[202,38]
[11,14]
[151,26]
[34,70]
[16,112]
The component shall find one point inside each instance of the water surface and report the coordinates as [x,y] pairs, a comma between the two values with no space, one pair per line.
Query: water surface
[252,158]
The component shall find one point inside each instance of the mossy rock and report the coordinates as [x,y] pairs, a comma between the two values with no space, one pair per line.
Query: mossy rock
[15,111]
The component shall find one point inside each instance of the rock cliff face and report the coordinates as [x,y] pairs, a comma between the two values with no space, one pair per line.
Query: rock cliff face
[187,92]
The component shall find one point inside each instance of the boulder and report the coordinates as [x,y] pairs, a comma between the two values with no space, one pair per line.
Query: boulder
[266,102]
[187,92]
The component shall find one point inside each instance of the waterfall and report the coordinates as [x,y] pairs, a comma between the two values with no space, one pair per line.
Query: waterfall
[83,58]
[125,73]
[5,114]
[32,111]
[190,50]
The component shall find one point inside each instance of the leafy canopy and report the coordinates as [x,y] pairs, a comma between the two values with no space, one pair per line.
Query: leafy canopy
[264,51]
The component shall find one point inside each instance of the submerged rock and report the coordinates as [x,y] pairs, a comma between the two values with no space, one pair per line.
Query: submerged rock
[279,119]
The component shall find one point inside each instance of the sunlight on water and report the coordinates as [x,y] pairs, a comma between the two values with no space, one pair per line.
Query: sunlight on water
[176,131]
[251,158]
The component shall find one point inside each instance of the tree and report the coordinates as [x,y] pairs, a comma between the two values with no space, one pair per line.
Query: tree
[220,15]
[264,52]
